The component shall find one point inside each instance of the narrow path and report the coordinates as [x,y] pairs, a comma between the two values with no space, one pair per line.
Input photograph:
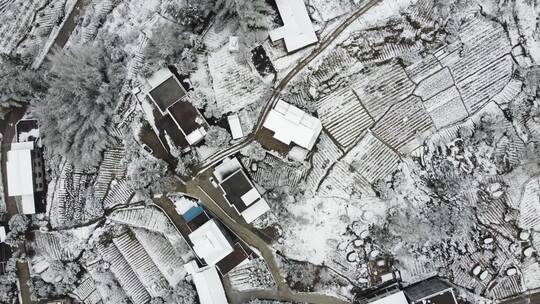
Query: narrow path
[270,102]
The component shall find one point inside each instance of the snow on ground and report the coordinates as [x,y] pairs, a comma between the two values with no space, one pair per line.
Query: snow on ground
[235,84]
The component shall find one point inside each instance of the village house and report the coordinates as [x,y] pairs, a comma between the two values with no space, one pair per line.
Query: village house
[172,115]
[207,282]
[5,249]
[287,127]
[432,291]
[25,175]
[297,31]
[239,191]
[213,245]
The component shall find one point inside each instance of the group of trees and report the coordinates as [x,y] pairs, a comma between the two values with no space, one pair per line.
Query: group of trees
[75,114]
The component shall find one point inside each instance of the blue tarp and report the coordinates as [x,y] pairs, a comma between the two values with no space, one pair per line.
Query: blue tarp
[192,213]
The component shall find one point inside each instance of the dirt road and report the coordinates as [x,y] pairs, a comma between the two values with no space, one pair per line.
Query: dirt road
[276,93]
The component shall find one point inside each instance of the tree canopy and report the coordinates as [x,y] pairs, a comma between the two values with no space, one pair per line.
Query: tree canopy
[74,115]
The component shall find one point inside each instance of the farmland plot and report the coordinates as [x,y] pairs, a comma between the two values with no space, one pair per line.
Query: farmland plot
[446,108]
[405,125]
[235,84]
[326,154]
[382,87]
[433,84]
[344,117]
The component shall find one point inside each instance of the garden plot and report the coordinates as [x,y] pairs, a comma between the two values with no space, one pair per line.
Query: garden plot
[480,87]
[274,172]
[153,219]
[235,84]
[372,159]
[484,42]
[326,154]
[379,88]
[141,263]
[165,256]
[86,291]
[423,68]
[251,275]
[341,182]
[405,125]
[446,108]
[18,19]
[344,117]
[123,272]
[529,217]
[433,84]
[106,285]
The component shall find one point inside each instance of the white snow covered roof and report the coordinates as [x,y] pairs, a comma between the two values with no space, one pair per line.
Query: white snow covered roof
[396,298]
[208,285]
[20,176]
[2,234]
[297,31]
[290,124]
[196,136]
[226,168]
[234,124]
[255,211]
[209,243]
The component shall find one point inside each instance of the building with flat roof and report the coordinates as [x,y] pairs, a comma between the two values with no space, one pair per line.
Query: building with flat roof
[392,298]
[207,282]
[25,175]
[290,125]
[210,243]
[431,291]
[239,191]
[235,126]
[167,94]
[297,31]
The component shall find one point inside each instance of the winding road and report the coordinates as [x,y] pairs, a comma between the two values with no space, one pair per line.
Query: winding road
[274,97]
[217,206]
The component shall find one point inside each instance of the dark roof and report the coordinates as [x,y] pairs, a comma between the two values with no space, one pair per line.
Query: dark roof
[232,260]
[198,221]
[234,187]
[431,287]
[5,255]
[167,93]
[446,297]
[185,114]
[166,124]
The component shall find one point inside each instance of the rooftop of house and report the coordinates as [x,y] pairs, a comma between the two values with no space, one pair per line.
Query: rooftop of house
[432,290]
[166,89]
[20,175]
[208,285]
[297,31]
[2,234]
[292,125]
[210,242]
[394,298]
[239,191]
[188,120]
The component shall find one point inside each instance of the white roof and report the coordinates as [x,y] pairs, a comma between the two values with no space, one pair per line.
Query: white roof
[159,77]
[209,243]
[396,298]
[290,124]
[297,31]
[226,168]
[208,285]
[249,197]
[20,176]
[196,136]
[234,124]
[255,211]
[28,205]
[2,234]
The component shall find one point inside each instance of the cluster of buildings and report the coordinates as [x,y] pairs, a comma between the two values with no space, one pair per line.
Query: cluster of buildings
[216,248]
